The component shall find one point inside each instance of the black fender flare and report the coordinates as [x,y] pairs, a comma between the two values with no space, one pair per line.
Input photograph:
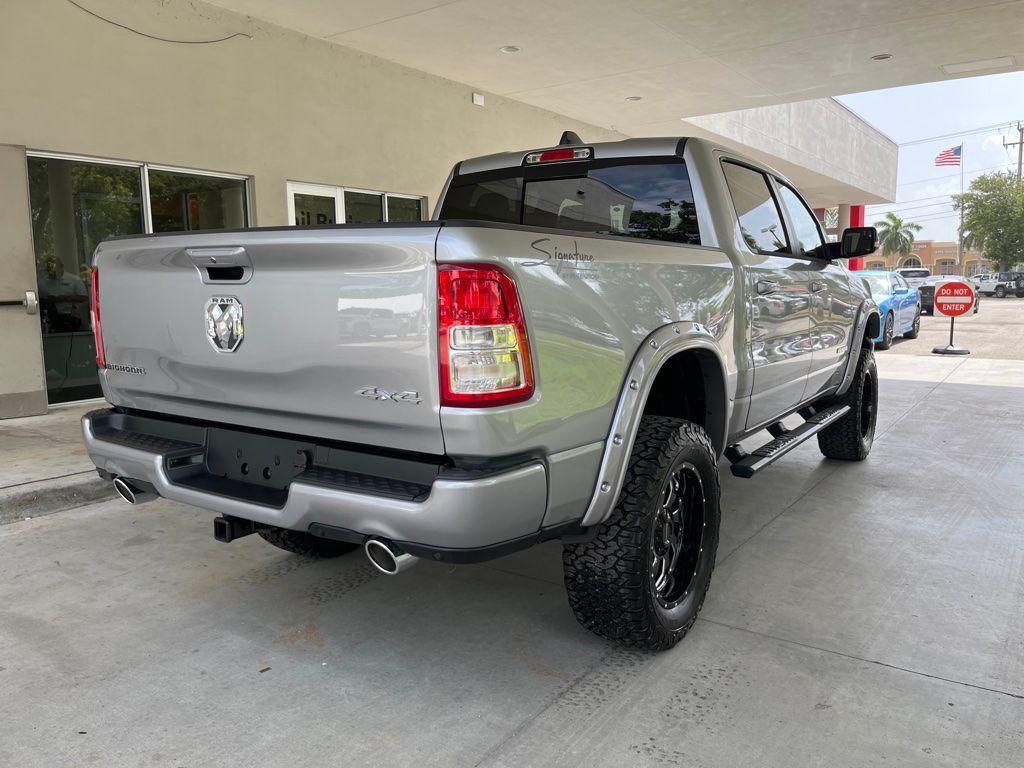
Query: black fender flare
[859,340]
[659,347]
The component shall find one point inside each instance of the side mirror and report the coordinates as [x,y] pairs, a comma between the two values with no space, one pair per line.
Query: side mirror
[858,241]
[901,291]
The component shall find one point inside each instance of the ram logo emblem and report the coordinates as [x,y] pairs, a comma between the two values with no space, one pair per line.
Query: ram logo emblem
[224,326]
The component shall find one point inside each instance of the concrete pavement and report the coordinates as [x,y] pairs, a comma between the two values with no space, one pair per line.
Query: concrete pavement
[996,332]
[861,614]
[43,464]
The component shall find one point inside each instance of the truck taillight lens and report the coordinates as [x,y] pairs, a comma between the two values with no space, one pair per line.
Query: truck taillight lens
[484,349]
[94,315]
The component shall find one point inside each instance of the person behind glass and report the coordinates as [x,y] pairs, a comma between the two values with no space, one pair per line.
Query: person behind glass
[63,298]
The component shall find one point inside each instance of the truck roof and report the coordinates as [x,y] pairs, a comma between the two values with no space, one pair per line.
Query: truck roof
[603,150]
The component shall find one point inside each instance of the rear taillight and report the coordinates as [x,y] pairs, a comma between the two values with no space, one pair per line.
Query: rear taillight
[94,315]
[484,349]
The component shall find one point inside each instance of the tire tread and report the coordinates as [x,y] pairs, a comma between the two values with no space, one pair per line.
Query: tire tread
[606,578]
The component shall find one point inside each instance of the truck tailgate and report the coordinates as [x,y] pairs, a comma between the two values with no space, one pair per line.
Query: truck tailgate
[335,325]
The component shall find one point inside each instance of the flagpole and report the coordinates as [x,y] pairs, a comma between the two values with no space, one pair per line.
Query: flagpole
[960,231]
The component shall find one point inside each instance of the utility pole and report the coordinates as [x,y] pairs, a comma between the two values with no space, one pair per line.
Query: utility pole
[1019,144]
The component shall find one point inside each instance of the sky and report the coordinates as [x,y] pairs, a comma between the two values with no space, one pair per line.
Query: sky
[962,107]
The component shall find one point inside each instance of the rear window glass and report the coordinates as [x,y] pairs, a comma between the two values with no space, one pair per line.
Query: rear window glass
[497,200]
[915,273]
[651,201]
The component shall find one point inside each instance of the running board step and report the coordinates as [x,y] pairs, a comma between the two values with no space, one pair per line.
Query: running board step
[749,464]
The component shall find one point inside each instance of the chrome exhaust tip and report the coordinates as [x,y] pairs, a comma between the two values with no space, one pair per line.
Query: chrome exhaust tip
[387,557]
[131,492]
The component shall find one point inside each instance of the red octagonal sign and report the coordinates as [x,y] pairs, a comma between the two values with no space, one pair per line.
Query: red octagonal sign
[954,298]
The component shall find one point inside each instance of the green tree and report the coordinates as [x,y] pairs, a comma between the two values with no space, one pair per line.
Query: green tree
[993,215]
[896,236]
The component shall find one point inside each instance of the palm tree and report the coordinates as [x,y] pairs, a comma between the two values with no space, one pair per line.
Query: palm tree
[896,236]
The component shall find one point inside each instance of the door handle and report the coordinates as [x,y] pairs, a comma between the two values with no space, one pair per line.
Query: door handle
[817,286]
[767,286]
[30,303]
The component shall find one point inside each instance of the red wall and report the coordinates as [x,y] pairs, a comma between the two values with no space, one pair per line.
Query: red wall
[857,220]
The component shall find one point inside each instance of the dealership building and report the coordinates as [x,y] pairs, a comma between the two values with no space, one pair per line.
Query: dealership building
[939,257]
[122,117]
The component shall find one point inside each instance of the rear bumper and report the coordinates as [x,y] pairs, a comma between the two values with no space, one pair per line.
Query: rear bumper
[454,518]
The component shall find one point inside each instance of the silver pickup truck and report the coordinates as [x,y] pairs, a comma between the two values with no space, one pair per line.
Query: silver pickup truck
[567,352]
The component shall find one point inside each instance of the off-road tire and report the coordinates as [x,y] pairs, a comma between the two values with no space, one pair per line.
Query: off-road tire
[302,543]
[1000,292]
[609,580]
[915,329]
[851,437]
[888,332]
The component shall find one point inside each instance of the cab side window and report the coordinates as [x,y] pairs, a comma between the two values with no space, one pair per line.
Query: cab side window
[806,233]
[759,217]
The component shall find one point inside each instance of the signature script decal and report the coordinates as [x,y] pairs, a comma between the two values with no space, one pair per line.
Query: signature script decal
[551,251]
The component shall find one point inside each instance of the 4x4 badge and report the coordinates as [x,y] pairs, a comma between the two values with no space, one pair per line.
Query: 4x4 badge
[224,326]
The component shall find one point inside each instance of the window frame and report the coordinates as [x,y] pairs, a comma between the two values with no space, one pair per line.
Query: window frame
[336,191]
[769,180]
[421,199]
[824,240]
[144,169]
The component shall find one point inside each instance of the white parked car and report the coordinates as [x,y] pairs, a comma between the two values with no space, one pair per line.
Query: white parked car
[915,276]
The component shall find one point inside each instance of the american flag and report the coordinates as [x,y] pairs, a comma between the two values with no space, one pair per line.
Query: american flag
[949,156]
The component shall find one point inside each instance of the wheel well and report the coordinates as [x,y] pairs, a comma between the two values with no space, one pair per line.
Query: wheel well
[691,385]
[873,328]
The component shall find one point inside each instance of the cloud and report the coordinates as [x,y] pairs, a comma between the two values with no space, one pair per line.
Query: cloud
[993,141]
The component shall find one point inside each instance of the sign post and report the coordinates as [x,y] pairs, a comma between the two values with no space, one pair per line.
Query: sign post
[952,300]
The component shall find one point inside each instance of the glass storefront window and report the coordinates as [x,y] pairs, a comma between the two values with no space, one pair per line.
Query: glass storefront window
[363,208]
[404,208]
[75,205]
[311,204]
[313,209]
[183,201]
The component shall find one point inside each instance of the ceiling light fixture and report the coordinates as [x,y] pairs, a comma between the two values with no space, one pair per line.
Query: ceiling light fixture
[978,66]
[510,49]
[633,98]
[881,57]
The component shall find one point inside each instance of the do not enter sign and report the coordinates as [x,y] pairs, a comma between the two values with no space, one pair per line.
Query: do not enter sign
[954,298]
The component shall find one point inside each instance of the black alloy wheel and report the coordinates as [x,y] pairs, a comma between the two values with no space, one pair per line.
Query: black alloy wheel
[677,542]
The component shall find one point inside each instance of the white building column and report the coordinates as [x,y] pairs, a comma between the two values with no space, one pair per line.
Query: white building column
[22,384]
[844,217]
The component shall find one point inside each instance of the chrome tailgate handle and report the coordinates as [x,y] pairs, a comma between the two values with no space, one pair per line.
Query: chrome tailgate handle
[221,265]
[219,257]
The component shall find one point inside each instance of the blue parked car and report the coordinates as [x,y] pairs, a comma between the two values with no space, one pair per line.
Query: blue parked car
[898,303]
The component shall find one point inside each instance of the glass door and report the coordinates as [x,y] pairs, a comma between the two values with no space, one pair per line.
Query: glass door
[75,205]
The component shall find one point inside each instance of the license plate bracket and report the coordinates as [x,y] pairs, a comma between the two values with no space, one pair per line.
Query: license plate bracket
[258,459]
